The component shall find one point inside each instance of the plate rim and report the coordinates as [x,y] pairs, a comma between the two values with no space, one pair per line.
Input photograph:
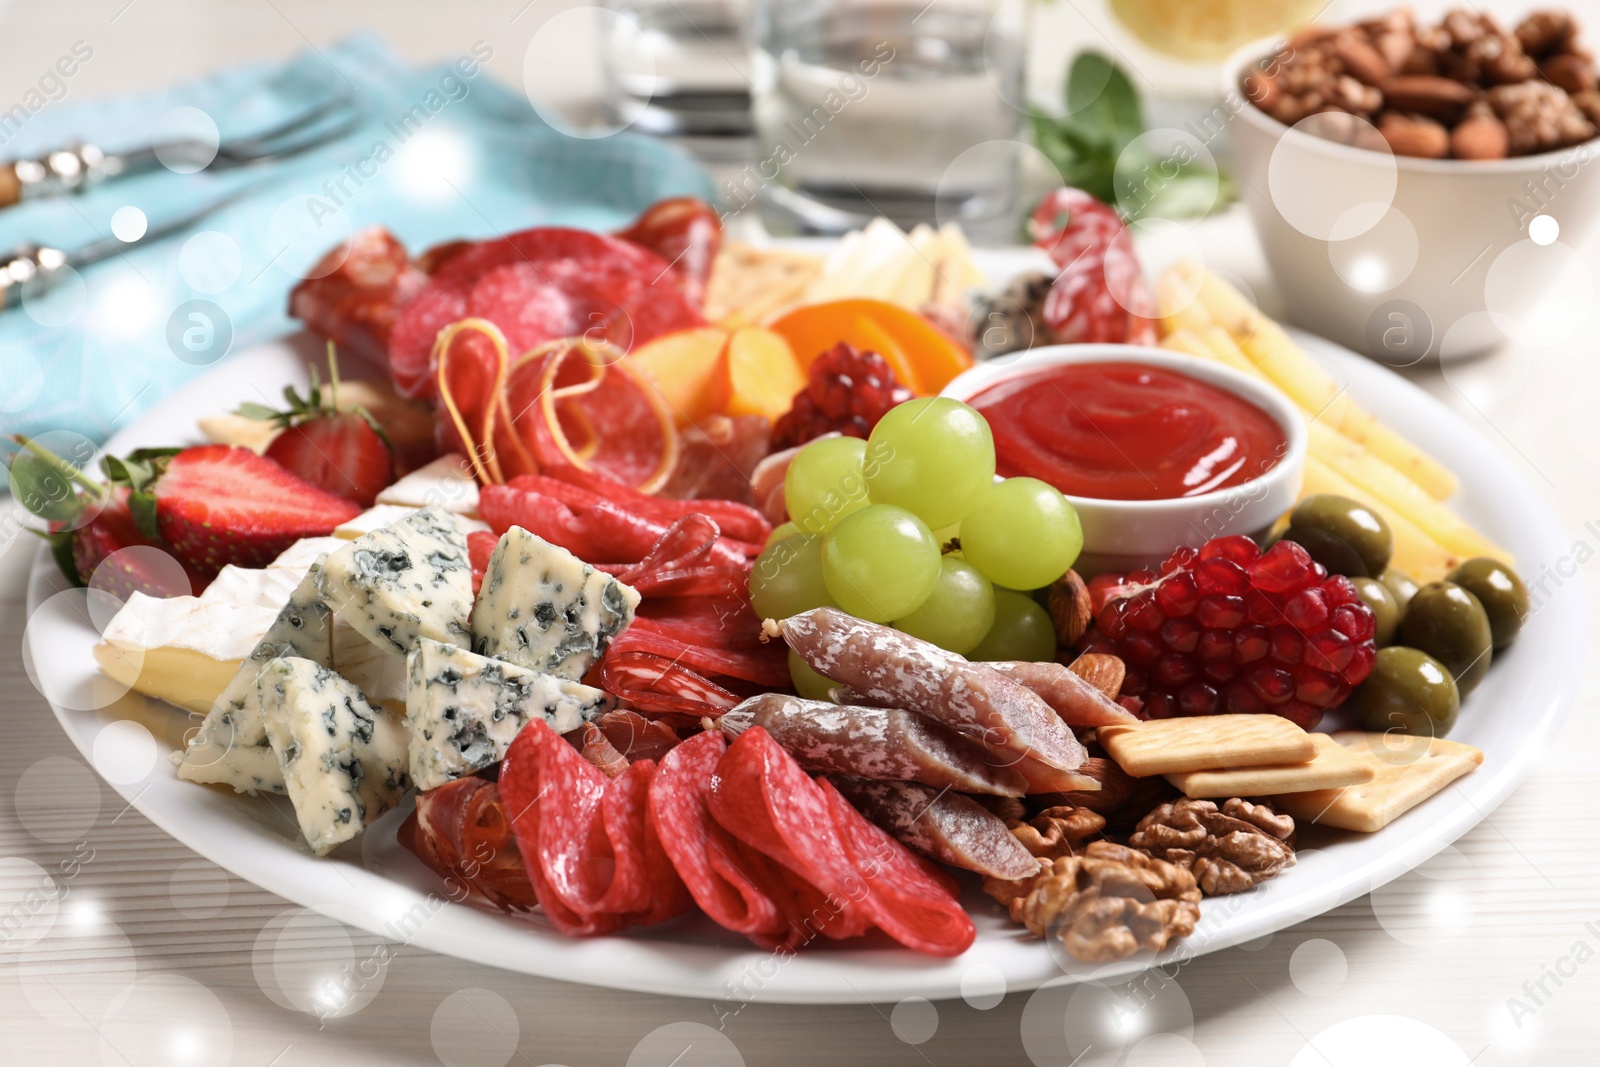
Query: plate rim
[649,964]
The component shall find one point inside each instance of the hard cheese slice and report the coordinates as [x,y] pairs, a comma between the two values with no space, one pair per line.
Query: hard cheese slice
[543,608]
[464,709]
[1210,742]
[343,761]
[230,748]
[404,582]
[1405,772]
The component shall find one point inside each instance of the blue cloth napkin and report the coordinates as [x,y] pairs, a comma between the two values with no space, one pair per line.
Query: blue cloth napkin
[439,153]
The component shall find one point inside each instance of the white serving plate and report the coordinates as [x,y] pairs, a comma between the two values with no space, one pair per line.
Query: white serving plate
[375,884]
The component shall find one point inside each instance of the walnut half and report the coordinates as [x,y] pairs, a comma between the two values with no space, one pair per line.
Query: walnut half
[1106,903]
[1228,850]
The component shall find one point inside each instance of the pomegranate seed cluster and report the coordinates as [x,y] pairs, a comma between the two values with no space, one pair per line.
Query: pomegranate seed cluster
[1228,628]
[847,390]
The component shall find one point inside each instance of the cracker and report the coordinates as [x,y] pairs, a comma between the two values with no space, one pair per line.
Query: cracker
[1406,771]
[752,282]
[1333,766]
[1206,743]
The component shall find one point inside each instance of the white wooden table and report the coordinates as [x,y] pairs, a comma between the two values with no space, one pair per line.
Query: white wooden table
[1514,912]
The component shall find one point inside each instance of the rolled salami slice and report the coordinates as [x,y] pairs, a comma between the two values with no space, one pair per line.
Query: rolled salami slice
[941,825]
[888,668]
[883,743]
[1074,699]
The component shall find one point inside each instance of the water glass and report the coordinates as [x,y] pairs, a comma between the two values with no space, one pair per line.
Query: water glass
[910,109]
[678,67]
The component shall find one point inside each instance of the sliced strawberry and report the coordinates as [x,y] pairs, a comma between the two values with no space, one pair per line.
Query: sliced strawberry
[111,531]
[217,505]
[338,451]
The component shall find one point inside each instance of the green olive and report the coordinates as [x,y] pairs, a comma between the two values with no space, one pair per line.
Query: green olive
[1385,612]
[1500,591]
[1343,535]
[1408,690]
[1401,584]
[1448,623]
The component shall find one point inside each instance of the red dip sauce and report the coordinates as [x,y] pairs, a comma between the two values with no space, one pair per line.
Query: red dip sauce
[1127,431]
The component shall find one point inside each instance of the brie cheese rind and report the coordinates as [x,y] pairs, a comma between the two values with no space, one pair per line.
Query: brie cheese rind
[181,649]
[299,556]
[543,608]
[268,587]
[385,515]
[343,762]
[405,582]
[446,483]
[220,750]
[464,709]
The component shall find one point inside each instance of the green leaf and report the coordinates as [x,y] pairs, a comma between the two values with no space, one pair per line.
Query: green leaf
[1102,102]
[61,552]
[251,410]
[143,507]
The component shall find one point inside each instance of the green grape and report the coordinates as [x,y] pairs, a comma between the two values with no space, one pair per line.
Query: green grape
[1022,534]
[824,483]
[807,682]
[958,612]
[781,533]
[1021,630]
[932,457]
[880,563]
[787,579]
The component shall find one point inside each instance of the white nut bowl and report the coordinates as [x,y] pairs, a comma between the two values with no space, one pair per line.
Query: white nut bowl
[1124,535]
[1396,290]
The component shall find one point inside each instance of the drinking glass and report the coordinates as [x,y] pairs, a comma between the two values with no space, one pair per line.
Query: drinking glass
[909,109]
[679,67]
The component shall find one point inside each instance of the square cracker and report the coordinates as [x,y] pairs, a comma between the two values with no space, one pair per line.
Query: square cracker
[1206,743]
[1404,775]
[1333,766]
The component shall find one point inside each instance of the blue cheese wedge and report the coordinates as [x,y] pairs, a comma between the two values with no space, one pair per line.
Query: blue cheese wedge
[380,673]
[343,761]
[230,747]
[404,582]
[463,709]
[543,608]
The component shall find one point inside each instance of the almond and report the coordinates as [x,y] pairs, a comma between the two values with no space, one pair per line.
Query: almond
[1573,73]
[1103,671]
[1069,607]
[1437,97]
[1483,137]
[1414,136]
[1361,59]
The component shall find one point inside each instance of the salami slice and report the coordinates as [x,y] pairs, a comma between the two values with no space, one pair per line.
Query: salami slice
[637,737]
[882,743]
[911,900]
[557,279]
[460,831]
[941,825]
[884,667]
[739,888]
[585,840]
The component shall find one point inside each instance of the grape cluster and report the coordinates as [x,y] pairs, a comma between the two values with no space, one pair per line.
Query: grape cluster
[870,522]
[847,390]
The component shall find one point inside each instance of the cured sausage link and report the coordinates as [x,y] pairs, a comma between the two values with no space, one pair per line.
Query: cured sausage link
[941,825]
[884,743]
[892,669]
[1074,699]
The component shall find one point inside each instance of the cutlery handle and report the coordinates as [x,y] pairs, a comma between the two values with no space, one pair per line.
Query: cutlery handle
[29,269]
[66,170]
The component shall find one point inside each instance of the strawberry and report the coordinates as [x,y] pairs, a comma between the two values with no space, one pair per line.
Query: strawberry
[217,504]
[340,448]
[108,533]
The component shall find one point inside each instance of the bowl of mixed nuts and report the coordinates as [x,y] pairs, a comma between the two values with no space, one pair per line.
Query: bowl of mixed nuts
[1393,169]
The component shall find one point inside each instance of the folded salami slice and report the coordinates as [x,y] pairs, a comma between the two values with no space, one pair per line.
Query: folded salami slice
[460,831]
[738,887]
[884,743]
[887,668]
[595,865]
[761,796]
[941,825]
[1074,699]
